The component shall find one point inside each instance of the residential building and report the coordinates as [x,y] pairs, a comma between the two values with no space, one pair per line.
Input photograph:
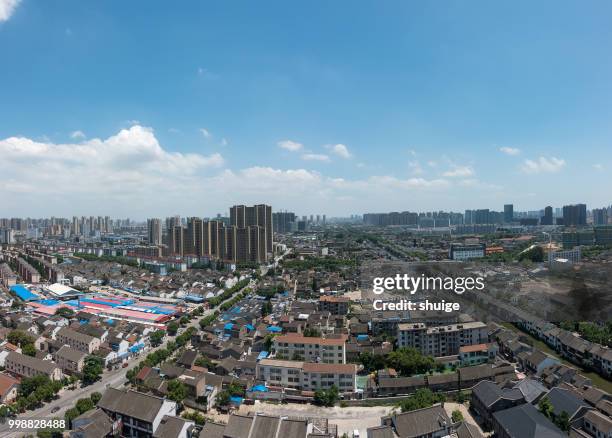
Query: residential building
[488,398]
[508,213]
[70,360]
[574,215]
[462,252]
[138,414]
[26,366]
[524,421]
[432,422]
[8,388]
[78,341]
[441,340]
[154,231]
[310,349]
[307,376]
[476,354]
[334,304]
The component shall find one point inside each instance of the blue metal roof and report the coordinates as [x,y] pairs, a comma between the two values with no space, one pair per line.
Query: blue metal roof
[22,292]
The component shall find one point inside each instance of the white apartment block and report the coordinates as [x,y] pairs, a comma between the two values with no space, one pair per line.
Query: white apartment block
[307,376]
[296,346]
[441,340]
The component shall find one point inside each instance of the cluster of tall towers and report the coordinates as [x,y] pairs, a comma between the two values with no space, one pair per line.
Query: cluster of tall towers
[247,238]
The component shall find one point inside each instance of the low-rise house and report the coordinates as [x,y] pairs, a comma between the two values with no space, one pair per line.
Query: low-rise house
[531,389]
[537,361]
[93,424]
[8,388]
[592,424]
[488,398]
[26,366]
[563,400]
[71,361]
[399,385]
[77,340]
[421,423]
[470,376]
[524,421]
[477,354]
[262,426]
[139,414]
[443,382]
[174,427]
[602,359]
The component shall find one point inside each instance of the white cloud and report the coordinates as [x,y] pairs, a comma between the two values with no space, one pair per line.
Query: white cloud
[459,171]
[130,174]
[543,165]
[224,141]
[125,165]
[77,135]
[290,145]
[205,132]
[7,8]
[315,157]
[598,166]
[340,150]
[510,151]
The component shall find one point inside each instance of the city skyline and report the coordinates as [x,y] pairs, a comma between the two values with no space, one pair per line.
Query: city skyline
[435,107]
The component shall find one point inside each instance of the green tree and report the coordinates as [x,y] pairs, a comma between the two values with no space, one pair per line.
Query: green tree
[177,391]
[172,328]
[223,398]
[372,362]
[70,415]
[84,404]
[92,370]
[422,398]
[29,350]
[546,407]
[563,421]
[156,338]
[409,361]
[19,338]
[326,397]
[95,397]
[204,361]
[65,312]
[457,416]
[461,397]
[49,433]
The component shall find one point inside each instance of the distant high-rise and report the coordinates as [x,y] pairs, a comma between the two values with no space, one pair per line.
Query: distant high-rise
[154,231]
[284,221]
[481,216]
[600,216]
[547,219]
[246,217]
[574,215]
[508,213]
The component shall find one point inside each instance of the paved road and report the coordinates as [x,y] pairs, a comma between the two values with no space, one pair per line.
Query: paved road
[114,379]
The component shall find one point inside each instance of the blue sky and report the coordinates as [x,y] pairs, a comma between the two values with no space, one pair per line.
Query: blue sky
[151,108]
